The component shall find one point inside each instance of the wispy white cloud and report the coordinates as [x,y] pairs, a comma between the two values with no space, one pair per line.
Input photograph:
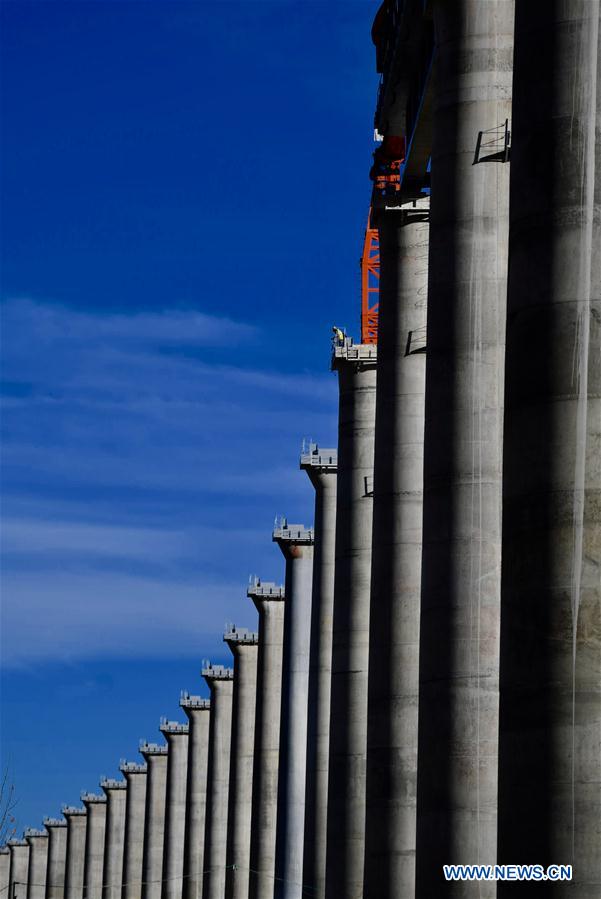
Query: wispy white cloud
[141,472]
[71,616]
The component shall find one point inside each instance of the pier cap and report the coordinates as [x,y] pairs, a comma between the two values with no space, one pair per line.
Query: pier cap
[258,589]
[312,457]
[216,672]
[112,783]
[132,767]
[71,811]
[240,635]
[291,533]
[55,822]
[168,728]
[148,749]
[33,832]
[17,841]
[92,798]
[187,701]
[346,351]
[4,850]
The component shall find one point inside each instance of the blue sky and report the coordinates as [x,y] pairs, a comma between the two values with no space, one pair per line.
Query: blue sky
[184,193]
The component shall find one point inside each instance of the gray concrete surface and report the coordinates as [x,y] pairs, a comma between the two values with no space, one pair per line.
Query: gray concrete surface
[136,775]
[176,735]
[321,466]
[550,722]
[77,824]
[296,544]
[356,367]
[198,711]
[4,870]
[114,844]
[393,680]
[461,559]
[155,757]
[19,865]
[38,862]
[220,681]
[244,646]
[95,804]
[268,598]
[57,857]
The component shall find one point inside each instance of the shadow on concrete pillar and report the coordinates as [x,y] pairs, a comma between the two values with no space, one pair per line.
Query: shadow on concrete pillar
[550,715]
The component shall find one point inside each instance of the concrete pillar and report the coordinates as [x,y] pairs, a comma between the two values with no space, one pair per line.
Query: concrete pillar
[321,466]
[77,825]
[296,543]
[356,367]
[135,816]
[38,862]
[57,857]
[461,557]
[550,718]
[198,711]
[154,818]
[244,646]
[393,680]
[4,871]
[19,865]
[114,844]
[220,681]
[268,599]
[95,804]
[176,735]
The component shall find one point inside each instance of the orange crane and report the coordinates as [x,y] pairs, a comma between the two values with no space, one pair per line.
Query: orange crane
[370,284]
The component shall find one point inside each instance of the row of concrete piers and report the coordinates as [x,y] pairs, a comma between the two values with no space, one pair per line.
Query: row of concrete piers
[425,688]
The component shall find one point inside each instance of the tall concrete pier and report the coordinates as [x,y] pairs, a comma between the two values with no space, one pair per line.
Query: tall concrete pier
[154,818]
[135,813]
[77,824]
[95,804]
[550,721]
[176,735]
[244,646]
[38,862]
[461,558]
[321,466]
[114,844]
[220,681]
[296,543]
[396,553]
[57,857]
[5,871]
[356,367]
[19,865]
[198,711]
[269,601]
